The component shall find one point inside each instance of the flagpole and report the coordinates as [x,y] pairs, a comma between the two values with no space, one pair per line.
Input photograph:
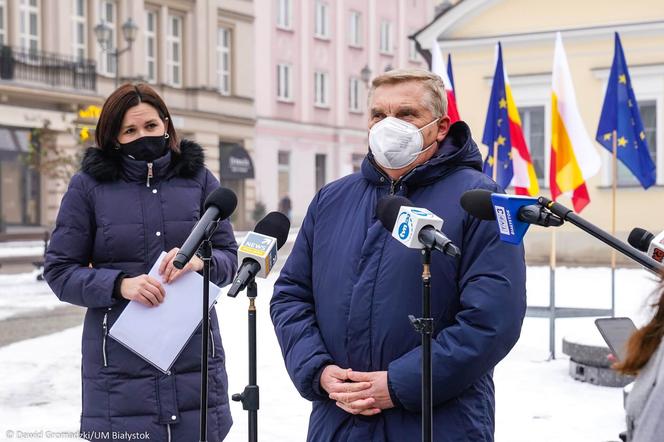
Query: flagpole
[552,297]
[614,172]
[495,161]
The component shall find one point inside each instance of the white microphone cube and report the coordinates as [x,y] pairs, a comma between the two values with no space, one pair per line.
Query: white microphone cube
[656,249]
[409,223]
[261,248]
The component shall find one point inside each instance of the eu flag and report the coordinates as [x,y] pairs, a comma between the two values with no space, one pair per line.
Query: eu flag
[620,113]
[497,129]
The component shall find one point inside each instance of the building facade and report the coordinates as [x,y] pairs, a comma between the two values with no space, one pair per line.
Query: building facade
[314,61]
[54,76]
[469,30]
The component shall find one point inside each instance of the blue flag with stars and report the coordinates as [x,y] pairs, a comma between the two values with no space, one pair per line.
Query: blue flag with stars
[620,113]
[497,129]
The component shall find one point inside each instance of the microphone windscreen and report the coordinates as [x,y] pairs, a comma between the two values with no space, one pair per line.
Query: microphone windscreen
[276,225]
[640,239]
[223,199]
[387,209]
[478,203]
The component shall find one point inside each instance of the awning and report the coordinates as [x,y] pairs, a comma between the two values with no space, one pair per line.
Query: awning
[236,163]
[13,142]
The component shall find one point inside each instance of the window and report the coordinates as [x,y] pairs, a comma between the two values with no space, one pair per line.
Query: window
[3,22]
[322,27]
[413,55]
[648,111]
[224,60]
[284,11]
[320,170]
[533,125]
[29,25]
[357,159]
[151,46]
[109,17]
[174,50]
[284,82]
[283,168]
[79,45]
[355,34]
[354,94]
[385,37]
[321,85]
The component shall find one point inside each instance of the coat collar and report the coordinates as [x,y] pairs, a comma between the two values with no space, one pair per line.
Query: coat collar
[108,166]
[455,151]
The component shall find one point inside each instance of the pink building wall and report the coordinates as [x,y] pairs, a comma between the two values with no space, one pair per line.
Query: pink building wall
[302,128]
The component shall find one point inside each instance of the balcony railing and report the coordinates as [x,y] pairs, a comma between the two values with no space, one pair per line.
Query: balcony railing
[56,70]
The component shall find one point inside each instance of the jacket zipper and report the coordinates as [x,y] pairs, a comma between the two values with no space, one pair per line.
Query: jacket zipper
[393,186]
[103,343]
[212,340]
[150,175]
[168,431]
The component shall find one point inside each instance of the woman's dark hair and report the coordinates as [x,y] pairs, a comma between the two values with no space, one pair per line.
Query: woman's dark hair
[644,342]
[116,105]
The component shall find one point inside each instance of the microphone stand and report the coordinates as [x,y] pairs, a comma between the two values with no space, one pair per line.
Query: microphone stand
[250,396]
[627,250]
[424,326]
[205,253]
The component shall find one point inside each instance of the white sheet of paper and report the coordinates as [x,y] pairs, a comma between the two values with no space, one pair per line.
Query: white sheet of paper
[158,334]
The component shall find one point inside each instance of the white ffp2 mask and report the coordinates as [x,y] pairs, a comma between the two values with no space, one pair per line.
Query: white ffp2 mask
[396,143]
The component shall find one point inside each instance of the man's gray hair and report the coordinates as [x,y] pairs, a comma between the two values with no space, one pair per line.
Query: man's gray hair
[433,84]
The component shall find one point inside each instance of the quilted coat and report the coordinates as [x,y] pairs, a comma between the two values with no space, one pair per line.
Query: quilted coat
[115,219]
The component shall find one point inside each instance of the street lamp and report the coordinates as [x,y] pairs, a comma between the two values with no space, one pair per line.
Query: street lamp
[365,74]
[103,34]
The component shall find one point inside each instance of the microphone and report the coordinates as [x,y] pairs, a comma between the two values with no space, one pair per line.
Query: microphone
[514,213]
[648,243]
[414,227]
[219,204]
[258,252]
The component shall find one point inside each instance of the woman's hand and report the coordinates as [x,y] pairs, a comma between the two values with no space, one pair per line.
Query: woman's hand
[168,271]
[144,289]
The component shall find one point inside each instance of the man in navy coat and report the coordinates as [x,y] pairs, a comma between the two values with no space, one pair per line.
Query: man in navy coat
[341,304]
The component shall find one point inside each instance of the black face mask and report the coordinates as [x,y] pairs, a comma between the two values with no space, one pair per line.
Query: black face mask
[146,148]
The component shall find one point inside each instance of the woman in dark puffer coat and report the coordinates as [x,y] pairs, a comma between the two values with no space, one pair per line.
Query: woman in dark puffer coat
[139,192]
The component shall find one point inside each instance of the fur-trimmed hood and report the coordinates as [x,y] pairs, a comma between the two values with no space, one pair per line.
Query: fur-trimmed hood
[108,165]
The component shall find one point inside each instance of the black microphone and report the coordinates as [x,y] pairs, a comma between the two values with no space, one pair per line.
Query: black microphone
[391,208]
[478,203]
[219,204]
[258,252]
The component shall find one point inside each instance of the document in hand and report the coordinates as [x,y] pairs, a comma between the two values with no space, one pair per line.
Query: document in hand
[158,334]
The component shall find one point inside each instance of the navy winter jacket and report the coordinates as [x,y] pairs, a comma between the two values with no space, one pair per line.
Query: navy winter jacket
[114,220]
[345,293]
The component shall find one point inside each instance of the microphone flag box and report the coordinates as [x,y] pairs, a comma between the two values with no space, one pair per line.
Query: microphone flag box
[261,248]
[656,249]
[409,223]
[512,230]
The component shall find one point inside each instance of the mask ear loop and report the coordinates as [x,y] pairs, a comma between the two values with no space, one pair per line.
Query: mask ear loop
[166,136]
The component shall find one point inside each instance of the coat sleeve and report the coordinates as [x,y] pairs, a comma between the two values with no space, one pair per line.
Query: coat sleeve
[650,425]
[67,265]
[492,289]
[293,314]
[224,247]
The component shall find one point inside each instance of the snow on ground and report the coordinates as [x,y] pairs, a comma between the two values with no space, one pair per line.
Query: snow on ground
[536,399]
[22,293]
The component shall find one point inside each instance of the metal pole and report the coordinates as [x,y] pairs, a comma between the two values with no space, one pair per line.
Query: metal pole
[206,256]
[552,298]
[424,326]
[613,220]
[250,398]
[252,292]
